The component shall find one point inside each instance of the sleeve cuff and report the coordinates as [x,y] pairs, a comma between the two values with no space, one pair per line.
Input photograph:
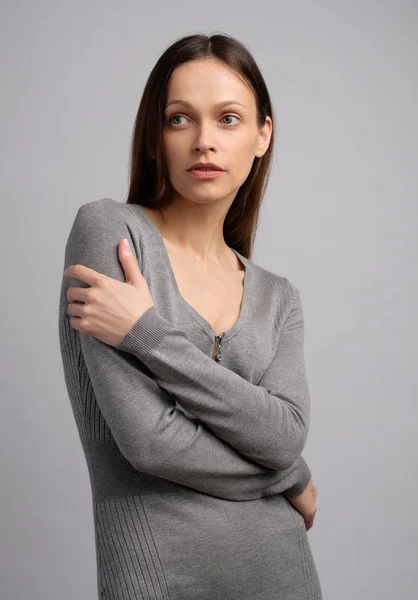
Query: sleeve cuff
[299,487]
[146,334]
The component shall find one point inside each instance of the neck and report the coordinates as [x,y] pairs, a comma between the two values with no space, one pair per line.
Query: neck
[196,229]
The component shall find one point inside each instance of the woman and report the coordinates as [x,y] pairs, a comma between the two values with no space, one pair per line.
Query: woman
[183,359]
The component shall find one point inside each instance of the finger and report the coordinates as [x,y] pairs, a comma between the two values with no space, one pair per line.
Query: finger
[77,293]
[75,322]
[83,273]
[75,310]
[129,261]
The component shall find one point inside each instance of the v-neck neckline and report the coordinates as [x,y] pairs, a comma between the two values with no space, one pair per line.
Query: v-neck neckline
[204,323]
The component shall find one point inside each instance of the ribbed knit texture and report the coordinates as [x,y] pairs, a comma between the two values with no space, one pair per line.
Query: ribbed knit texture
[190,459]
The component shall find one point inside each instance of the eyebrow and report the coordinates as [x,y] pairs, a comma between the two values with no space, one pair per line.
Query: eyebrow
[219,105]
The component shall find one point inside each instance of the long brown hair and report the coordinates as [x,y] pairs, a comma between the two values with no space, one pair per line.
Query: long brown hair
[149,180]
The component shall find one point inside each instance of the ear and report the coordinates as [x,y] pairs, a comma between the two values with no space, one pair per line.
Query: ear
[264,136]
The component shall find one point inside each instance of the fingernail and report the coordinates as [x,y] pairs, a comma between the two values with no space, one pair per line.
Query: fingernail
[126,244]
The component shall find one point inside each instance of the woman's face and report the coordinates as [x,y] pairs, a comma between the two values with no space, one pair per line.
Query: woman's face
[204,131]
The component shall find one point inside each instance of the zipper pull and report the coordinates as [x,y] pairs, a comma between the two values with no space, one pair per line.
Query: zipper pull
[217,351]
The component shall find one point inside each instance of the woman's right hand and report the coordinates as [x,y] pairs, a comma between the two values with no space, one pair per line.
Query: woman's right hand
[305,503]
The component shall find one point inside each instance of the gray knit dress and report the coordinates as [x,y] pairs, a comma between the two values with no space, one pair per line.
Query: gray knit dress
[192,441]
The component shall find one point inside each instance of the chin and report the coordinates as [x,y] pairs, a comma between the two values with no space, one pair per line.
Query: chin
[204,196]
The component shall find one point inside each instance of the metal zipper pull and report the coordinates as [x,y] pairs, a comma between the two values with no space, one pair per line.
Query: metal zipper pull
[217,350]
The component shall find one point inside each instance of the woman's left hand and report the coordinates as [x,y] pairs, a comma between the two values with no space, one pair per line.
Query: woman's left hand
[111,307]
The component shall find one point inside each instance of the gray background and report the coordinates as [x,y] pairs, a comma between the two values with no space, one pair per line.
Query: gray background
[339,220]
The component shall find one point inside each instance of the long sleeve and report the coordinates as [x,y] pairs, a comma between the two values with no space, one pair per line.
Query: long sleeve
[157,438]
[267,422]
[149,430]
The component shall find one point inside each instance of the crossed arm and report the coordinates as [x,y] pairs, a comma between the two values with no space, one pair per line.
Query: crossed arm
[246,440]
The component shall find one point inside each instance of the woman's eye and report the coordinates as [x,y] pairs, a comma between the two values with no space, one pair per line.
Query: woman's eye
[229,116]
[170,120]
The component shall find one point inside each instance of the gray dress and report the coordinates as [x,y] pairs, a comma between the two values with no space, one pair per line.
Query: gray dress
[192,441]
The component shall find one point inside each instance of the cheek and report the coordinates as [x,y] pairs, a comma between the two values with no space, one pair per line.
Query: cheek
[243,161]
[242,152]
[171,150]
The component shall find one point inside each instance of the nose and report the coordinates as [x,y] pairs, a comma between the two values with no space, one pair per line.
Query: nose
[205,138]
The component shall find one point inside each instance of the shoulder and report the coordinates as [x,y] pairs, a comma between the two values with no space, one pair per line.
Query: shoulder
[279,283]
[103,209]
[281,294]
[105,219]
[97,230]
[106,214]
[96,223]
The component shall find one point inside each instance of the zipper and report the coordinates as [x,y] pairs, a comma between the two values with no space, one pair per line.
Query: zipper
[217,350]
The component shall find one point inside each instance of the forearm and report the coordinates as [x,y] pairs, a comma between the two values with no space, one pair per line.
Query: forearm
[159,439]
[269,428]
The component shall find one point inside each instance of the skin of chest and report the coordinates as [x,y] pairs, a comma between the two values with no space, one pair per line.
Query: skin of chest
[213,291]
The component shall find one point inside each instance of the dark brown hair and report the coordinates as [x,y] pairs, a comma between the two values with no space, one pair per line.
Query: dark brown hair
[149,179]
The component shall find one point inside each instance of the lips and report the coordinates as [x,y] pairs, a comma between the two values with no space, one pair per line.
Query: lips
[205,167]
